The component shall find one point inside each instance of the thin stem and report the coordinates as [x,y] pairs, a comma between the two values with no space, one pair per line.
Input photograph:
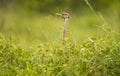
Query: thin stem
[91,8]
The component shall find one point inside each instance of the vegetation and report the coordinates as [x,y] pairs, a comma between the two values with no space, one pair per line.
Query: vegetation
[31,43]
[95,57]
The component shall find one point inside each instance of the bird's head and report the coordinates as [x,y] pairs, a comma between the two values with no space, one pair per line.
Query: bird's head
[63,15]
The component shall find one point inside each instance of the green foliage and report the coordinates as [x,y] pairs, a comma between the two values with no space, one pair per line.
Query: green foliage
[95,57]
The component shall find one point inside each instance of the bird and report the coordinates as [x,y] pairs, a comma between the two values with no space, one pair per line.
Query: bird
[65,16]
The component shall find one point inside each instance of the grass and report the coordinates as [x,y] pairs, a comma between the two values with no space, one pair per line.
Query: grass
[71,59]
[32,45]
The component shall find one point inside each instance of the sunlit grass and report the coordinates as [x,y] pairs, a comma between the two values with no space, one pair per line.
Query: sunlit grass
[61,59]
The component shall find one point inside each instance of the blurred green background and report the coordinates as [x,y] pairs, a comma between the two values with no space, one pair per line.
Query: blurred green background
[35,22]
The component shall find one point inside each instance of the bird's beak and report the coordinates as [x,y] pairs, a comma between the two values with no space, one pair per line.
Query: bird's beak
[58,14]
